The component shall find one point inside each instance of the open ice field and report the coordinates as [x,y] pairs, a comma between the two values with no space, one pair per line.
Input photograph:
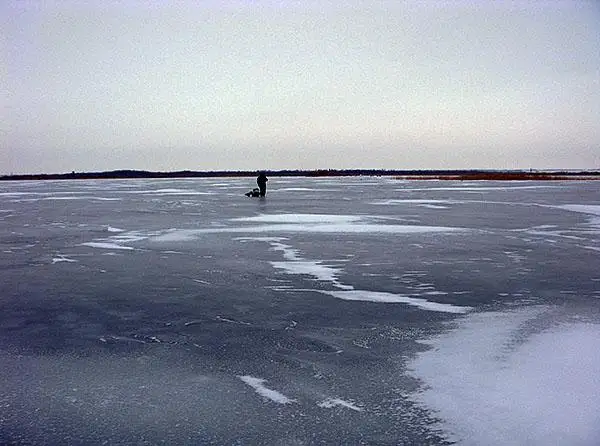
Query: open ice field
[336,311]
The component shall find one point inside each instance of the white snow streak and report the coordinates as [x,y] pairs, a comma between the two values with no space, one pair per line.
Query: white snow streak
[381,297]
[62,259]
[273,395]
[333,402]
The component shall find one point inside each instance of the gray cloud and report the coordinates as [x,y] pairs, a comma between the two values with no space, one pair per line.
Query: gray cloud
[300,85]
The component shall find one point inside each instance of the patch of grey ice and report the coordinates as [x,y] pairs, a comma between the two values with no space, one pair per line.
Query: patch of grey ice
[411,201]
[106,245]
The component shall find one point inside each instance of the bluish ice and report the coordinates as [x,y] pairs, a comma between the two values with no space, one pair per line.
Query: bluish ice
[358,310]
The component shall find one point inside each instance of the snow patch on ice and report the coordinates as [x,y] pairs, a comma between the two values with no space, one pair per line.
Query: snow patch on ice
[111,229]
[273,395]
[491,383]
[303,223]
[382,297]
[593,209]
[129,237]
[295,264]
[333,402]
[62,258]
[176,235]
[433,206]
[312,268]
[590,209]
[289,253]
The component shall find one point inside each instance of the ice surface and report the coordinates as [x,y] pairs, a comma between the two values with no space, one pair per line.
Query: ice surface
[324,290]
[491,383]
[273,395]
[381,297]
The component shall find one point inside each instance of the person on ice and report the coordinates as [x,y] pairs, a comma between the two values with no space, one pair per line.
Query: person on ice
[262,183]
[253,193]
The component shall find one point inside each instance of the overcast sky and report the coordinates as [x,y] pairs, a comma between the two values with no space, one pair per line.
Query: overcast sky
[237,85]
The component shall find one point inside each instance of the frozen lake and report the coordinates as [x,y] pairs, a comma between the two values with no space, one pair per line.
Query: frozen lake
[336,311]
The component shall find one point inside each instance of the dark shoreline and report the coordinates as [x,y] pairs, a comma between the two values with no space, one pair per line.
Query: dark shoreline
[474,175]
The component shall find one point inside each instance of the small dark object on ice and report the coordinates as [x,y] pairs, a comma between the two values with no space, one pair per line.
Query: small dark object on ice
[253,193]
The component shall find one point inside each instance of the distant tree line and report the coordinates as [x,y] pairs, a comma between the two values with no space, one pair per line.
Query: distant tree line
[410,174]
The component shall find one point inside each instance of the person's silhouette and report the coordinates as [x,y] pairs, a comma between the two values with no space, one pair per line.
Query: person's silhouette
[261,180]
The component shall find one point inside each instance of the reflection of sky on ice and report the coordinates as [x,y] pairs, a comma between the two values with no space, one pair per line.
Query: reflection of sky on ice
[490,384]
